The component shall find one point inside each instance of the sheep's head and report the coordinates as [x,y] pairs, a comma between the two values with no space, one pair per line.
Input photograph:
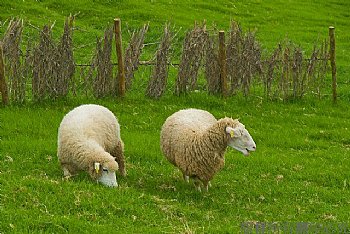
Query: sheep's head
[240,139]
[106,173]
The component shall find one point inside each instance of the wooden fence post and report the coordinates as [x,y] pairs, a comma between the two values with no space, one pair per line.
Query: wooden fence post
[3,85]
[222,63]
[332,60]
[121,72]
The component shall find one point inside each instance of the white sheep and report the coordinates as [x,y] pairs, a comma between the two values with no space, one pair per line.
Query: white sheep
[195,142]
[89,140]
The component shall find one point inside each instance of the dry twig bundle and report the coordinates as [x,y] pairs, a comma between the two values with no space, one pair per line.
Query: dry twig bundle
[87,74]
[285,74]
[157,84]
[133,53]
[271,63]
[321,68]
[65,60]
[12,53]
[192,55]
[53,64]
[234,51]
[289,75]
[104,84]
[212,67]
[43,62]
[243,59]
[251,61]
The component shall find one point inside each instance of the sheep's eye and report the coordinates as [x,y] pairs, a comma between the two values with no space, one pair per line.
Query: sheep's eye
[105,169]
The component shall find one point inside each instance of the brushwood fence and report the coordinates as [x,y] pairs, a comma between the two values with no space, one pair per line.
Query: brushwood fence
[46,67]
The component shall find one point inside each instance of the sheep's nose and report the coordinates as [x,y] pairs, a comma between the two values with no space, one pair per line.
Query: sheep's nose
[253,148]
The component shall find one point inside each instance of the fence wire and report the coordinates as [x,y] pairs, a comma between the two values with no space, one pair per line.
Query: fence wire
[48,66]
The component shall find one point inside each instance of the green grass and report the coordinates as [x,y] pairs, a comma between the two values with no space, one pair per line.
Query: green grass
[299,173]
[304,22]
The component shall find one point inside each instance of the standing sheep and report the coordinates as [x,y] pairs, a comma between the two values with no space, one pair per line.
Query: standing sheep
[89,140]
[195,142]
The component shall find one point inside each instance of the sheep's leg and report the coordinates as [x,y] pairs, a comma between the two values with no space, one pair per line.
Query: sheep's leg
[68,171]
[186,177]
[205,185]
[197,184]
[118,154]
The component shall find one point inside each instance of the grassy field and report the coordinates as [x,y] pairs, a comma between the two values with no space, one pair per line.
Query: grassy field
[304,22]
[299,173]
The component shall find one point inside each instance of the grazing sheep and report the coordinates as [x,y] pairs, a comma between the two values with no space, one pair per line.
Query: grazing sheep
[195,142]
[89,140]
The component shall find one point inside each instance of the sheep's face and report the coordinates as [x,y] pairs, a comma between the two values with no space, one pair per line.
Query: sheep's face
[107,176]
[240,139]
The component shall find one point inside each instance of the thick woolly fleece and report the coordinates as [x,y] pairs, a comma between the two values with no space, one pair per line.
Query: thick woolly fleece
[90,134]
[195,142]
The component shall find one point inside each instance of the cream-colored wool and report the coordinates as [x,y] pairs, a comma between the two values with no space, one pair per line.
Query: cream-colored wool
[87,135]
[195,142]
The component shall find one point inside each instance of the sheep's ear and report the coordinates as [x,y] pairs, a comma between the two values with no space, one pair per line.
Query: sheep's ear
[97,166]
[232,132]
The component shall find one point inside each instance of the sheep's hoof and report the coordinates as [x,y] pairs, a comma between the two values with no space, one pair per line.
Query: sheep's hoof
[206,185]
[66,173]
[205,188]
[187,178]
[197,184]
[198,188]
[67,177]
